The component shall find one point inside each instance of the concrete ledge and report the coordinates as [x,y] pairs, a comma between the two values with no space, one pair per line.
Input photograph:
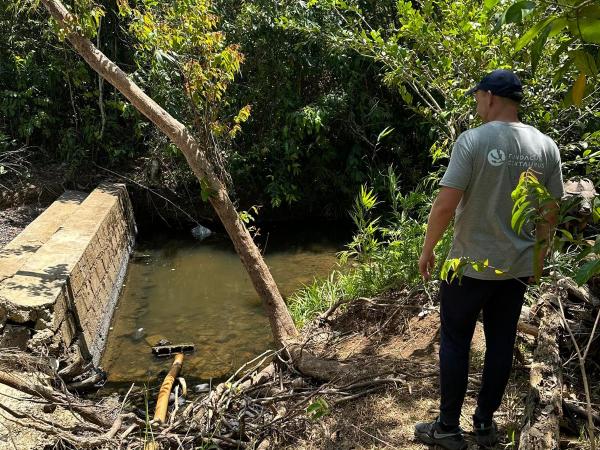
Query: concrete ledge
[37,233]
[66,289]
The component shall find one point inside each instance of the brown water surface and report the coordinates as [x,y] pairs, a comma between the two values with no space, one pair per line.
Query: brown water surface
[199,292]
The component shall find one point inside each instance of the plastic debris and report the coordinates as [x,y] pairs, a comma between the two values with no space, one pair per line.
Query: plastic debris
[200,232]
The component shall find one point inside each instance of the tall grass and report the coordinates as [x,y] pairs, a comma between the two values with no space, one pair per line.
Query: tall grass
[382,255]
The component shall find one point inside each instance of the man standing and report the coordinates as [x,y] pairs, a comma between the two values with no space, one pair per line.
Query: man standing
[484,169]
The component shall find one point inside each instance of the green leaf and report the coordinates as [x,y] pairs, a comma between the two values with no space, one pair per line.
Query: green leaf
[317,409]
[578,90]
[557,26]
[519,216]
[533,32]
[206,192]
[567,234]
[587,271]
[444,270]
[537,48]
[586,24]
[384,133]
[480,266]
[518,11]
[489,4]
[585,62]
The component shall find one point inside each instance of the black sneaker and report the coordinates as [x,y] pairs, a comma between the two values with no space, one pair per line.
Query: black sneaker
[431,433]
[486,436]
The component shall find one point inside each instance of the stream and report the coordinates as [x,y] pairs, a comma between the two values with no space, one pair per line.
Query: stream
[187,291]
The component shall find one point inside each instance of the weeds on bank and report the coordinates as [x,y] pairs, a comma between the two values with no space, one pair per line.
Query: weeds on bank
[382,255]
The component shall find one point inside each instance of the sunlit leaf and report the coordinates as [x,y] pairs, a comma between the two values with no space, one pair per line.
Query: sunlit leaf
[533,32]
[558,26]
[537,48]
[519,217]
[384,133]
[566,234]
[587,271]
[489,4]
[586,24]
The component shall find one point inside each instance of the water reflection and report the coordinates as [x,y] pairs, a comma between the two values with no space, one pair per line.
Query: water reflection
[199,292]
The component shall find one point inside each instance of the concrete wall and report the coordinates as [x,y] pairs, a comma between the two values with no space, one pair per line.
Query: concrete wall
[59,283]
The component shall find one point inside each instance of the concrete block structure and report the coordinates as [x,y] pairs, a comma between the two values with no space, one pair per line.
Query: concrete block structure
[60,278]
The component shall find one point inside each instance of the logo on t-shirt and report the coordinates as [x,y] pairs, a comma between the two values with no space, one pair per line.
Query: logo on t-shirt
[496,157]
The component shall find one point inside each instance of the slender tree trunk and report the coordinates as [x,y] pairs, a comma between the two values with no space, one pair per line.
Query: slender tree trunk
[282,324]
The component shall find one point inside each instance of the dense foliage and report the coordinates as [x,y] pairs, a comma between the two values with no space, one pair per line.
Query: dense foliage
[49,98]
[303,101]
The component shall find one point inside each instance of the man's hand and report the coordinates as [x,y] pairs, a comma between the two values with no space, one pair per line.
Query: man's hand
[440,216]
[426,264]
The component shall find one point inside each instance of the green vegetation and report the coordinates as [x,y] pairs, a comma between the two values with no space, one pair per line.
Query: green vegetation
[430,56]
[350,88]
[309,100]
[381,256]
[304,104]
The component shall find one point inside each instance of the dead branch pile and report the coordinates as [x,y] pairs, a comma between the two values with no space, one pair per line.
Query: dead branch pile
[265,402]
[254,406]
[566,358]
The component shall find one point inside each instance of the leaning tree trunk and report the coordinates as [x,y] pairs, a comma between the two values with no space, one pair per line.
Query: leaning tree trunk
[281,322]
[544,402]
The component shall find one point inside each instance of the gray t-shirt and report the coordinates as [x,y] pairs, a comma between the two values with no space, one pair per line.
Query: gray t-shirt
[486,163]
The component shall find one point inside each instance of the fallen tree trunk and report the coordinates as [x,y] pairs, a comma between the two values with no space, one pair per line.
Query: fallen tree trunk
[527,328]
[280,319]
[582,293]
[86,410]
[544,402]
[323,369]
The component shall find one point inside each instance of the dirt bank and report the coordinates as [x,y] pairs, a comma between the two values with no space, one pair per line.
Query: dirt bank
[392,336]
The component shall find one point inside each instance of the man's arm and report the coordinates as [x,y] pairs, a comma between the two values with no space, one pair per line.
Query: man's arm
[440,216]
[544,232]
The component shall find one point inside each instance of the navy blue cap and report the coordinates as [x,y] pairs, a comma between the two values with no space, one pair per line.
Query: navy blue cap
[502,83]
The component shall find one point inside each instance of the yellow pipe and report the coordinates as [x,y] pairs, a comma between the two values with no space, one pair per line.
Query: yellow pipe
[162,403]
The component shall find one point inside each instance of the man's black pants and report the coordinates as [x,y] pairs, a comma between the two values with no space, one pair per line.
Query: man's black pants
[501,302]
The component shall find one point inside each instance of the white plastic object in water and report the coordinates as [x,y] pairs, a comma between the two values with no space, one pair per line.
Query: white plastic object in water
[201,232]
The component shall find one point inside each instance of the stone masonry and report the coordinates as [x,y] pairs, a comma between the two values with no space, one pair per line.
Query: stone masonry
[60,278]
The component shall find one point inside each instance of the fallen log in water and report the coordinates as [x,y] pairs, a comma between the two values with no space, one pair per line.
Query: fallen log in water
[544,402]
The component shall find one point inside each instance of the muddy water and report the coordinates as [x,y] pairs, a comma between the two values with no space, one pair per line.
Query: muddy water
[198,292]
